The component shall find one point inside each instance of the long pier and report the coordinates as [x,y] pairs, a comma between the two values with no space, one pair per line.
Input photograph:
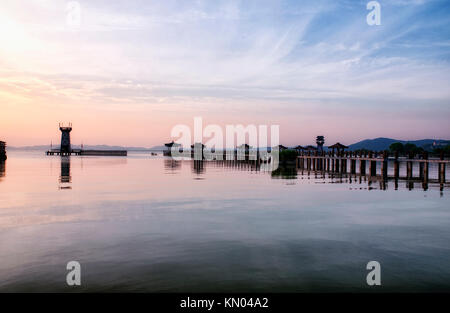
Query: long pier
[367,164]
[88,152]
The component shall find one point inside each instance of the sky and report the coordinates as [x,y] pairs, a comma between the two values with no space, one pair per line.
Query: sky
[127,72]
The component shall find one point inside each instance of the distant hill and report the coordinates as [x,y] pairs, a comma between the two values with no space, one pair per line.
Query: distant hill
[379,144]
[86,147]
[158,148]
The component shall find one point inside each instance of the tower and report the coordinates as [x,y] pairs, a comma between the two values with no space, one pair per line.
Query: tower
[65,138]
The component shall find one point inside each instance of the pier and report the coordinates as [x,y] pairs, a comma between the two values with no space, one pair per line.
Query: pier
[66,148]
[80,152]
[374,164]
[3,156]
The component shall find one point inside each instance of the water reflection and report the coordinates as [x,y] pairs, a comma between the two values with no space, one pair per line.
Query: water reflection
[292,173]
[171,165]
[158,231]
[288,172]
[65,179]
[198,167]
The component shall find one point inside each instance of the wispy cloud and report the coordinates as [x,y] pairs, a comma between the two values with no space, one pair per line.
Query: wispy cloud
[194,56]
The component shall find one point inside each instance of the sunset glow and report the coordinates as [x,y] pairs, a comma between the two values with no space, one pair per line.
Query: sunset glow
[129,72]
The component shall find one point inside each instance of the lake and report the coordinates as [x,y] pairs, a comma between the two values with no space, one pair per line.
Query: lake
[149,224]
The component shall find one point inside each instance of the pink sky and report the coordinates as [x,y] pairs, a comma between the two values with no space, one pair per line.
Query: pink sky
[128,74]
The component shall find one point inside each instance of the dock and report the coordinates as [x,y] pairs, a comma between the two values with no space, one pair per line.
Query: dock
[80,152]
[368,164]
[66,148]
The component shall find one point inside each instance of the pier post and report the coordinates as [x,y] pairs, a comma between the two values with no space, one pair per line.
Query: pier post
[362,165]
[337,163]
[396,166]
[384,165]
[425,167]
[409,167]
[372,165]
[442,170]
[352,163]
[344,163]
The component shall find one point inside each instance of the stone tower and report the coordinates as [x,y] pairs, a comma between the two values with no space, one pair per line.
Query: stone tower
[65,138]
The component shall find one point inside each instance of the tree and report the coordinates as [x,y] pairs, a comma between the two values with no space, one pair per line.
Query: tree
[397,147]
[410,147]
[320,140]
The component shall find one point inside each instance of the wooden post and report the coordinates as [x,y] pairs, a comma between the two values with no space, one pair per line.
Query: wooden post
[337,163]
[373,168]
[372,165]
[344,166]
[362,167]
[425,167]
[353,166]
[409,167]
[396,166]
[384,165]
[442,170]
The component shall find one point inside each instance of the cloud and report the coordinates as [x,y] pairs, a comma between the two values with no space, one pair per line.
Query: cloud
[265,56]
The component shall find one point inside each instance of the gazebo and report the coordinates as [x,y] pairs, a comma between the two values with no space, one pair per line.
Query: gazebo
[169,146]
[338,146]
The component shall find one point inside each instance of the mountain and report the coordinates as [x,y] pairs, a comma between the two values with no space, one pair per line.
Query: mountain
[86,147]
[158,148]
[379,144]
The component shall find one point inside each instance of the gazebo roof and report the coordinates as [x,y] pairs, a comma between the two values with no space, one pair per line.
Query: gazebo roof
[310,148]
[299,148]
[170,144]
[338,145]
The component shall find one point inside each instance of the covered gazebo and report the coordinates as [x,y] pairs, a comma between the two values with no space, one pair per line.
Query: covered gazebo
[338,147]
[170,145]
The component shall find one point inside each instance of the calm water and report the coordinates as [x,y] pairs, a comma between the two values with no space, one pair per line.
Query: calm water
[146,223]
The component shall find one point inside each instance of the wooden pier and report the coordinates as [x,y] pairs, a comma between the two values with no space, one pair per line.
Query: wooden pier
[80,152]
[368,164]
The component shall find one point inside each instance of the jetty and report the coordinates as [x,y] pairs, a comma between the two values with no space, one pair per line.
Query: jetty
[82,152]
[374,164]
[66,148]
